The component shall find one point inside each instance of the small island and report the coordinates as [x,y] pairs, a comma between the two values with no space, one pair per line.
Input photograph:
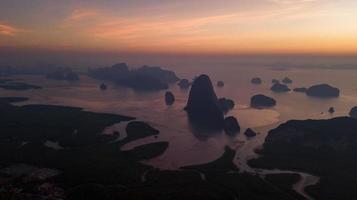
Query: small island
[278,87]
[226,104]
[256,81]
[323,91]
[184,84]
[231,125]
[287,80]
[220,83]
[63,74]
[274,81]
[169,98]
[250,133]
[261,101]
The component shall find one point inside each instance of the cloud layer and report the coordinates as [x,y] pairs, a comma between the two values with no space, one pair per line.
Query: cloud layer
[228,26]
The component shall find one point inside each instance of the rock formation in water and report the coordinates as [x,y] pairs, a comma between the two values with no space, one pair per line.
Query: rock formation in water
[287,80]
[331,110]
[278,87]
[202,105]
[300,89]
[169,98]
[184,84]
[143,78]
[275,81]
[220,84]
[256,81]
[65,74]
[226,104]
[231,125]
[323,91]
[103,86]
[250,133]
[353,112]
[261,101]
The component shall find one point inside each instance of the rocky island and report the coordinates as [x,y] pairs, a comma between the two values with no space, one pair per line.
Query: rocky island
[261,101]
[184,84]
[287,80]
[169,98]
[323,91]
[226,104]
[144,78]
[274,81]
[250,133]
[64,74]
[202,106]
[278,87]
[220,83]
[231,125]
[256,81]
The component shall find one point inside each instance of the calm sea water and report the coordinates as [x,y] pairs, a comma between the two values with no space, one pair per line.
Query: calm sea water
[187,147]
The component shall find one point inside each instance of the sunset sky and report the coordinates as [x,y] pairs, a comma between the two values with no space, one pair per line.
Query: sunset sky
[180,26]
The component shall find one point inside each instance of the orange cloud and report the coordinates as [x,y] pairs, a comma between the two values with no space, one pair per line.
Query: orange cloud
[9,30]
[105,25]
[281,26]
[79,16]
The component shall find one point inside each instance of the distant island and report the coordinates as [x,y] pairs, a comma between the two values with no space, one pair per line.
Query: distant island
[9,84]
[143,78]
[65,74]
[323,91]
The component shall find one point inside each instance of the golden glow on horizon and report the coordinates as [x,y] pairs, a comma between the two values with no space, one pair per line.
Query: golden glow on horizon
[279,26]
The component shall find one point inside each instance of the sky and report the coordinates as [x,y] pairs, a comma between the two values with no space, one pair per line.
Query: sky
[181,26]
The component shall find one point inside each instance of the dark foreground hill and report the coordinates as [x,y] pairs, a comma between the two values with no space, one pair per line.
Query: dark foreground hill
[327,148]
